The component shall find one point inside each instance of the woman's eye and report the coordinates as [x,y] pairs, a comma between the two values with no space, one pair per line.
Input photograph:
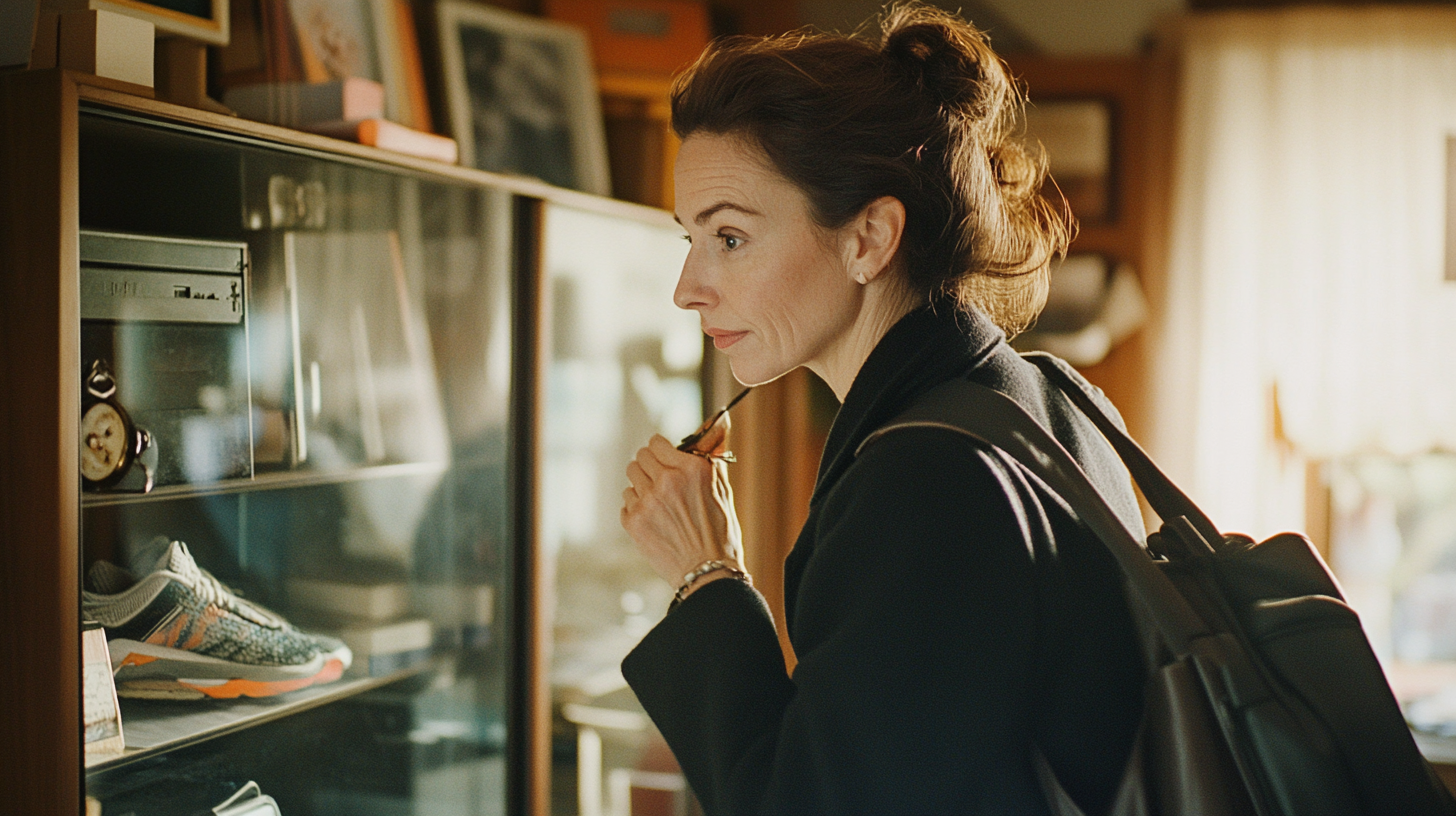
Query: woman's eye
[731,242]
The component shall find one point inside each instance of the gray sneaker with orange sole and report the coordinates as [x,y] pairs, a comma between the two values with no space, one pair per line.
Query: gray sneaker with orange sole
[178,633]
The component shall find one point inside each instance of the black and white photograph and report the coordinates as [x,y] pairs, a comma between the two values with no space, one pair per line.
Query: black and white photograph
[522,96]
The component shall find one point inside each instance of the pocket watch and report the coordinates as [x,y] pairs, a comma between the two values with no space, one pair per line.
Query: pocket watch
[110,442]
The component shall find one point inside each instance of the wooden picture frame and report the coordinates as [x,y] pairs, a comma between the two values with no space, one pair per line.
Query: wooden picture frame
[348,38]
[263,47]
[313,41]
[1076,134]
[521,96]
[202,20]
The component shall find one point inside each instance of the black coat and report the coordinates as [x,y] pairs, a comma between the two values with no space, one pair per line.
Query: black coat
[946,610]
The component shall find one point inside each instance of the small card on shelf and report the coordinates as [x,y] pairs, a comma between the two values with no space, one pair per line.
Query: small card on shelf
[101,716]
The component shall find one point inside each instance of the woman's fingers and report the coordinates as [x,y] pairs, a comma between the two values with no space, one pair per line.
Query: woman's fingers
[661,469]
[637,475]
[658,457]
[674,510]
[663,450]
[667,467]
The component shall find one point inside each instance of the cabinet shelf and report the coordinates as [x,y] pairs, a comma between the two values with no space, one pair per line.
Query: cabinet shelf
[268,481]
[154,727]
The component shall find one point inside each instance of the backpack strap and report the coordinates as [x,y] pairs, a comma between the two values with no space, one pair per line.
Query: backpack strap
[994,419]
[1166,499]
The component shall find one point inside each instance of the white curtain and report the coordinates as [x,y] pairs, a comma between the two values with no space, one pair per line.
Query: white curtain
[1306,253]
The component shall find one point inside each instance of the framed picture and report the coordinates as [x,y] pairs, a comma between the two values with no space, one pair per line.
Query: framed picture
[338,39]
[342,38]
[314,41]
[1077,137]
[522,97]
[263,47]
[204,20]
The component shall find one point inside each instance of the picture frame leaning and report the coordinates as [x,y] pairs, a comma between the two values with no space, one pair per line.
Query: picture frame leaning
[351,38]
[306,42]
[521,96]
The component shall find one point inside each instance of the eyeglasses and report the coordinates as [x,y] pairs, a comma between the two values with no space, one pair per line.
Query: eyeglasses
[689,442]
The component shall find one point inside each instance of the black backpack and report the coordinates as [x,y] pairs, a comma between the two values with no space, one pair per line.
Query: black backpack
[1264,696]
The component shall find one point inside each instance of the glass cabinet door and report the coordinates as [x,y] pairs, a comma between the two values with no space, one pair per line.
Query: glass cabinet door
[624,364]
[296,526]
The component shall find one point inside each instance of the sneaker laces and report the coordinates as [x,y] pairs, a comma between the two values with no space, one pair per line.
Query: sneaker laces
[213,591]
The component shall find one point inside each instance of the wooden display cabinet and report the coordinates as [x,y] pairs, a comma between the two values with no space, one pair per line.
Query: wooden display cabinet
[370,417]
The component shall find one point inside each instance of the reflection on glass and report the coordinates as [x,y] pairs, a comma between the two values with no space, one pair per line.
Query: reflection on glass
[625,364]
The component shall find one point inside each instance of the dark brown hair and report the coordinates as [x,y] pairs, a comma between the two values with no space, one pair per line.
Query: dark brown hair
[924,116]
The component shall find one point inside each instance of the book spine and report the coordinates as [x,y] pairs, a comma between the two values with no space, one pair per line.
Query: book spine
[384,664]
[390,136]
[300,104]
[282,61]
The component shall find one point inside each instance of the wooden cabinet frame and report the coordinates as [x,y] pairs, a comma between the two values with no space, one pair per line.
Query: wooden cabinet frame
[40,601]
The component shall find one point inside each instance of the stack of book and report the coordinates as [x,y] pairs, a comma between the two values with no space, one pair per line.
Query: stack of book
[392,624]
[351,109]
[374,618]
[462,613]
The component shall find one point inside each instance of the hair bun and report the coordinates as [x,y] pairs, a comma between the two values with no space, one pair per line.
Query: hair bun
[947,58]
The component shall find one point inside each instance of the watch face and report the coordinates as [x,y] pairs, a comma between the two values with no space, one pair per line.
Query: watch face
[103,442]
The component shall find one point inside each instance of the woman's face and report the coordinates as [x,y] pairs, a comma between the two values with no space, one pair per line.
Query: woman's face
[769,285]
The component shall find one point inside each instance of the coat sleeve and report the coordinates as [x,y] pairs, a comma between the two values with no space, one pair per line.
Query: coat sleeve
[915,626]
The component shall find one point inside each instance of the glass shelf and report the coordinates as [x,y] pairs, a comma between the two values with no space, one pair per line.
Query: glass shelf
[267,481]
[156,726]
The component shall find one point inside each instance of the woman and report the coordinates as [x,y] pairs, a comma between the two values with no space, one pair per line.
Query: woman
[862,210]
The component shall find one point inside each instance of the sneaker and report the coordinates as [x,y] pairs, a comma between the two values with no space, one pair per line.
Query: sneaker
[178,633]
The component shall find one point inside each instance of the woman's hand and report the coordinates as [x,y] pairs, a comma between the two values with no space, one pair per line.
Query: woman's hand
[679,508]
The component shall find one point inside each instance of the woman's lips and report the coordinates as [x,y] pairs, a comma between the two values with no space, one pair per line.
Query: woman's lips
[724,339]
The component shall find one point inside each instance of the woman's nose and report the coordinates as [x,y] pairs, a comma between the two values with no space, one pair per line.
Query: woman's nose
[691,292]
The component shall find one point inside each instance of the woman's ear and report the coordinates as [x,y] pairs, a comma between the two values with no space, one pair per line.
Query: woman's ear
[874,239]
